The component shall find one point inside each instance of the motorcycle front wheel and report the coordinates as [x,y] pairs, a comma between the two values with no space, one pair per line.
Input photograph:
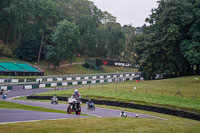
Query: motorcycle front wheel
[69,110]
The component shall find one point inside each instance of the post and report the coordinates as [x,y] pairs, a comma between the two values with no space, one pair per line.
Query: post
[130,89]
[146,90]
[102,88]
[195,90]
[162,91]
[196,94]
[116,89]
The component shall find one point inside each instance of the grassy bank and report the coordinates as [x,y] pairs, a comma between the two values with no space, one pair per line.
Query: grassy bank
[156,93]
[9,105]
[101,125]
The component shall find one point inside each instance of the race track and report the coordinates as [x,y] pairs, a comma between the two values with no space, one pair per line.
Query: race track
[16,115]
[10,115]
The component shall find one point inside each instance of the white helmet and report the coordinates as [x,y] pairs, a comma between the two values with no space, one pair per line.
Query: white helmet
[76,91]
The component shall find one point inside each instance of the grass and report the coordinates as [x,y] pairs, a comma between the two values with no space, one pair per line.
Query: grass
[156,93]
[111,69]
[101,125]
[6,59]
[79,69]
[75,69]
[9,105]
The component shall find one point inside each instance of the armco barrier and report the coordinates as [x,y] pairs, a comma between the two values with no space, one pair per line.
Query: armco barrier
[178,113]
[78,81]
[81,82]
[72,80]
[70,77]
[9,87]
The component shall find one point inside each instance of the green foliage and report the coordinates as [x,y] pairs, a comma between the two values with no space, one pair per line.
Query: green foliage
[51,55]
[30,24]
[169,45]
[5,51]
[191,51]
[90,65]
[27,50]
[66,42]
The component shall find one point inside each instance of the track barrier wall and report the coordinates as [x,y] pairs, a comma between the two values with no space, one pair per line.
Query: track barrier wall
[71,80]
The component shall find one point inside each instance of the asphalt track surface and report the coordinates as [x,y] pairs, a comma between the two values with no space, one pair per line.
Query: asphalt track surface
[12,115]
[15,115]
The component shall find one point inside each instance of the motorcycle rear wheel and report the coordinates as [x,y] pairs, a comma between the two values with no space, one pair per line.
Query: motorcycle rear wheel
[78,112]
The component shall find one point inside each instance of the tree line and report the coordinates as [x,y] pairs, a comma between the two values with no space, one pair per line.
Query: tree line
[170,43]
[56,30]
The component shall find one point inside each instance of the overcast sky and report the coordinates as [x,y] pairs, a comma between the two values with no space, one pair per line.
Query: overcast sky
[128,11]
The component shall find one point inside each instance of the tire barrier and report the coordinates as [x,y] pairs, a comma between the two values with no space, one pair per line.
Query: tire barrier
[161,110]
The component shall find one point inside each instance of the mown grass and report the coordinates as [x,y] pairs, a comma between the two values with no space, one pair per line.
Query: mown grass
[79,69]
[103,125]
[75,69]
[156,93]
[9,105]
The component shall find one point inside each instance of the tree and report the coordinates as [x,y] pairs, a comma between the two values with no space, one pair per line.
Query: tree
[51,56]
[190,46]
[169,25]
[130,37]
[115,40]
[66,40]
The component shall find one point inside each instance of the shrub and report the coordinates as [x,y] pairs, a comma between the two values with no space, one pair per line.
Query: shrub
[5,51]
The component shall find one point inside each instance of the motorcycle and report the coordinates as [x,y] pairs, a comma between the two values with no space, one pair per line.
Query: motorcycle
[90,105]
[54,100]
[4,96]
[122,114]
[74,106]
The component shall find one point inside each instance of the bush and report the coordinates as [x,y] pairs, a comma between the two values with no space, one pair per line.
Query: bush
[5,51]
[90,66]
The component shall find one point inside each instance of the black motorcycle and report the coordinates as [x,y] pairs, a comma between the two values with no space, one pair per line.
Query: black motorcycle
[90,105]
[74,106]
[54,100]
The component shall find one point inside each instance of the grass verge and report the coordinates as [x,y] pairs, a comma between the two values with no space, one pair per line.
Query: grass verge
[9,105]
[101,125]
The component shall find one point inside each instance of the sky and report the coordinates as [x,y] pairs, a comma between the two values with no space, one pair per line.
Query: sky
[128,11]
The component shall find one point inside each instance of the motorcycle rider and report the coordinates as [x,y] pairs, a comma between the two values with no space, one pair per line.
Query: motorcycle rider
[76,94]
[122,114]
[89,103]
[4,95]
[1,93]
[54,99]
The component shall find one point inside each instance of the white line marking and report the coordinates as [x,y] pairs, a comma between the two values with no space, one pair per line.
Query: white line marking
[34,120]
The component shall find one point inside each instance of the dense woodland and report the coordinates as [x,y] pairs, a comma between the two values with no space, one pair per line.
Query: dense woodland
[56,30]
[170,44]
